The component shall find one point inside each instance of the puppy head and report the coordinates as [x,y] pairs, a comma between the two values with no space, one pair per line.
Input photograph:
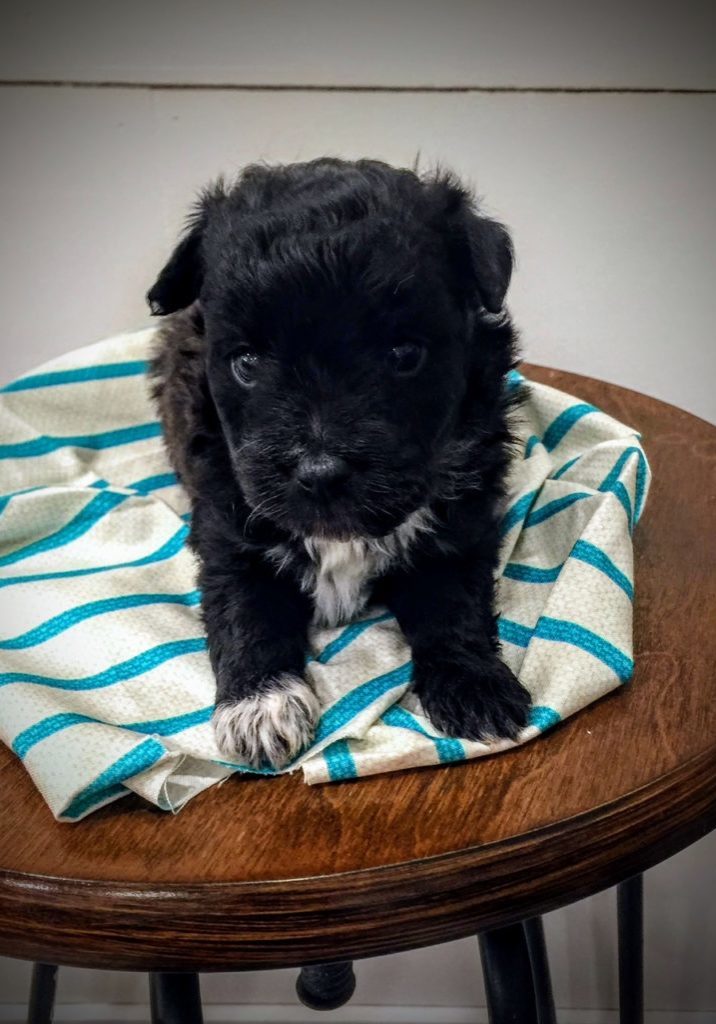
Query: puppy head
[345,312]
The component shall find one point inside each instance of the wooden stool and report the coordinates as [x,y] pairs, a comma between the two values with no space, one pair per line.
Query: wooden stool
[273,873]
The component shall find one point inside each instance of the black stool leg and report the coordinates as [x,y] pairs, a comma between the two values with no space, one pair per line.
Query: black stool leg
[175,998]
[537,947]
[508,976]
[630,914]
[41,1007]
[326,986]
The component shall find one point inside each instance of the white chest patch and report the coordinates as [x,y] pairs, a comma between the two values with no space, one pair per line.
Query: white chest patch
[341,572]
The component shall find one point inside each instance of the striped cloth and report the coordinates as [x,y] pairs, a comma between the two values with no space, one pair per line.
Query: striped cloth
[105,683]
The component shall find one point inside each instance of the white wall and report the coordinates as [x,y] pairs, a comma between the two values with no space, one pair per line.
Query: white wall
[489,43]
[610,197]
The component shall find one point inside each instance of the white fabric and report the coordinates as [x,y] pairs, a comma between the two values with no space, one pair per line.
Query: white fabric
[105,684]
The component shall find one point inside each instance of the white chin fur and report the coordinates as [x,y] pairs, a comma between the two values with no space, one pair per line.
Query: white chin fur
[342,572]
[271,727]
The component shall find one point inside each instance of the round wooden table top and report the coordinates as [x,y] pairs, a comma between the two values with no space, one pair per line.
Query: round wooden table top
[272,872]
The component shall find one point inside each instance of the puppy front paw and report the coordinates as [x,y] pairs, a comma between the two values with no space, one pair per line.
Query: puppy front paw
[477,702]
[269,727]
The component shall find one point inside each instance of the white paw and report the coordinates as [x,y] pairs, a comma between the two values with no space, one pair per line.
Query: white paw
[271,727]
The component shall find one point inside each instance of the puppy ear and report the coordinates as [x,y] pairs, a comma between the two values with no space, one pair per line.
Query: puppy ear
[492,260]
[480,249]
[179,282]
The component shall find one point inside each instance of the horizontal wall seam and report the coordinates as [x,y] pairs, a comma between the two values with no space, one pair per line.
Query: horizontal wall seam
[296,87]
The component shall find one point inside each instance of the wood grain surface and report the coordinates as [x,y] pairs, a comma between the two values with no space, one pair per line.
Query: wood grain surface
[271,872]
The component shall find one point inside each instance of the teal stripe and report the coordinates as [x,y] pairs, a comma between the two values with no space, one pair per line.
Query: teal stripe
[350,705]
[349,634]
[583,551]
[175,724]
[106,784]
[564,423]
[135,666]
[236,767]
[531,573]
[27,739]
[517,512]
[339,714]
[93,511]
[594,556]
[563,469]
[108,439]
[540,515]
[613,483]
[543,717]
[620,492]
[78,375]
[34,734]
[59,623]
[144,486]
[154,483]
[514,632]
[339,761]
[615,471]
[562,631]
[102,797]
[167,550]
[7,498]
[447,749]
[532,443]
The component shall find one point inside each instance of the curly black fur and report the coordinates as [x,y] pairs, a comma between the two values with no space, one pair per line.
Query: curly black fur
[334,370]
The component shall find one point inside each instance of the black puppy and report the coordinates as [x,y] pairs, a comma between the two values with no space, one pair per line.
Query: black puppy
[334,398]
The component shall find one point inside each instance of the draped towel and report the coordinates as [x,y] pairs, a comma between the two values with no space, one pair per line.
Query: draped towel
[105,682]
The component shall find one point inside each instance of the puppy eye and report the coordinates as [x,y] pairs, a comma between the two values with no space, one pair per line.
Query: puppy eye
[405,360]
[245,366]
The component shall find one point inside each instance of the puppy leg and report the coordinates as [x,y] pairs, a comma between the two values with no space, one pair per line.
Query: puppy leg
[445,610]
[256,624]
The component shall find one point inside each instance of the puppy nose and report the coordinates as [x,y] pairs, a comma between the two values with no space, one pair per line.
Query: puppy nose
[320,473]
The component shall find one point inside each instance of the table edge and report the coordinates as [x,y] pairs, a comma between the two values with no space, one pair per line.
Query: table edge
[359,913]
